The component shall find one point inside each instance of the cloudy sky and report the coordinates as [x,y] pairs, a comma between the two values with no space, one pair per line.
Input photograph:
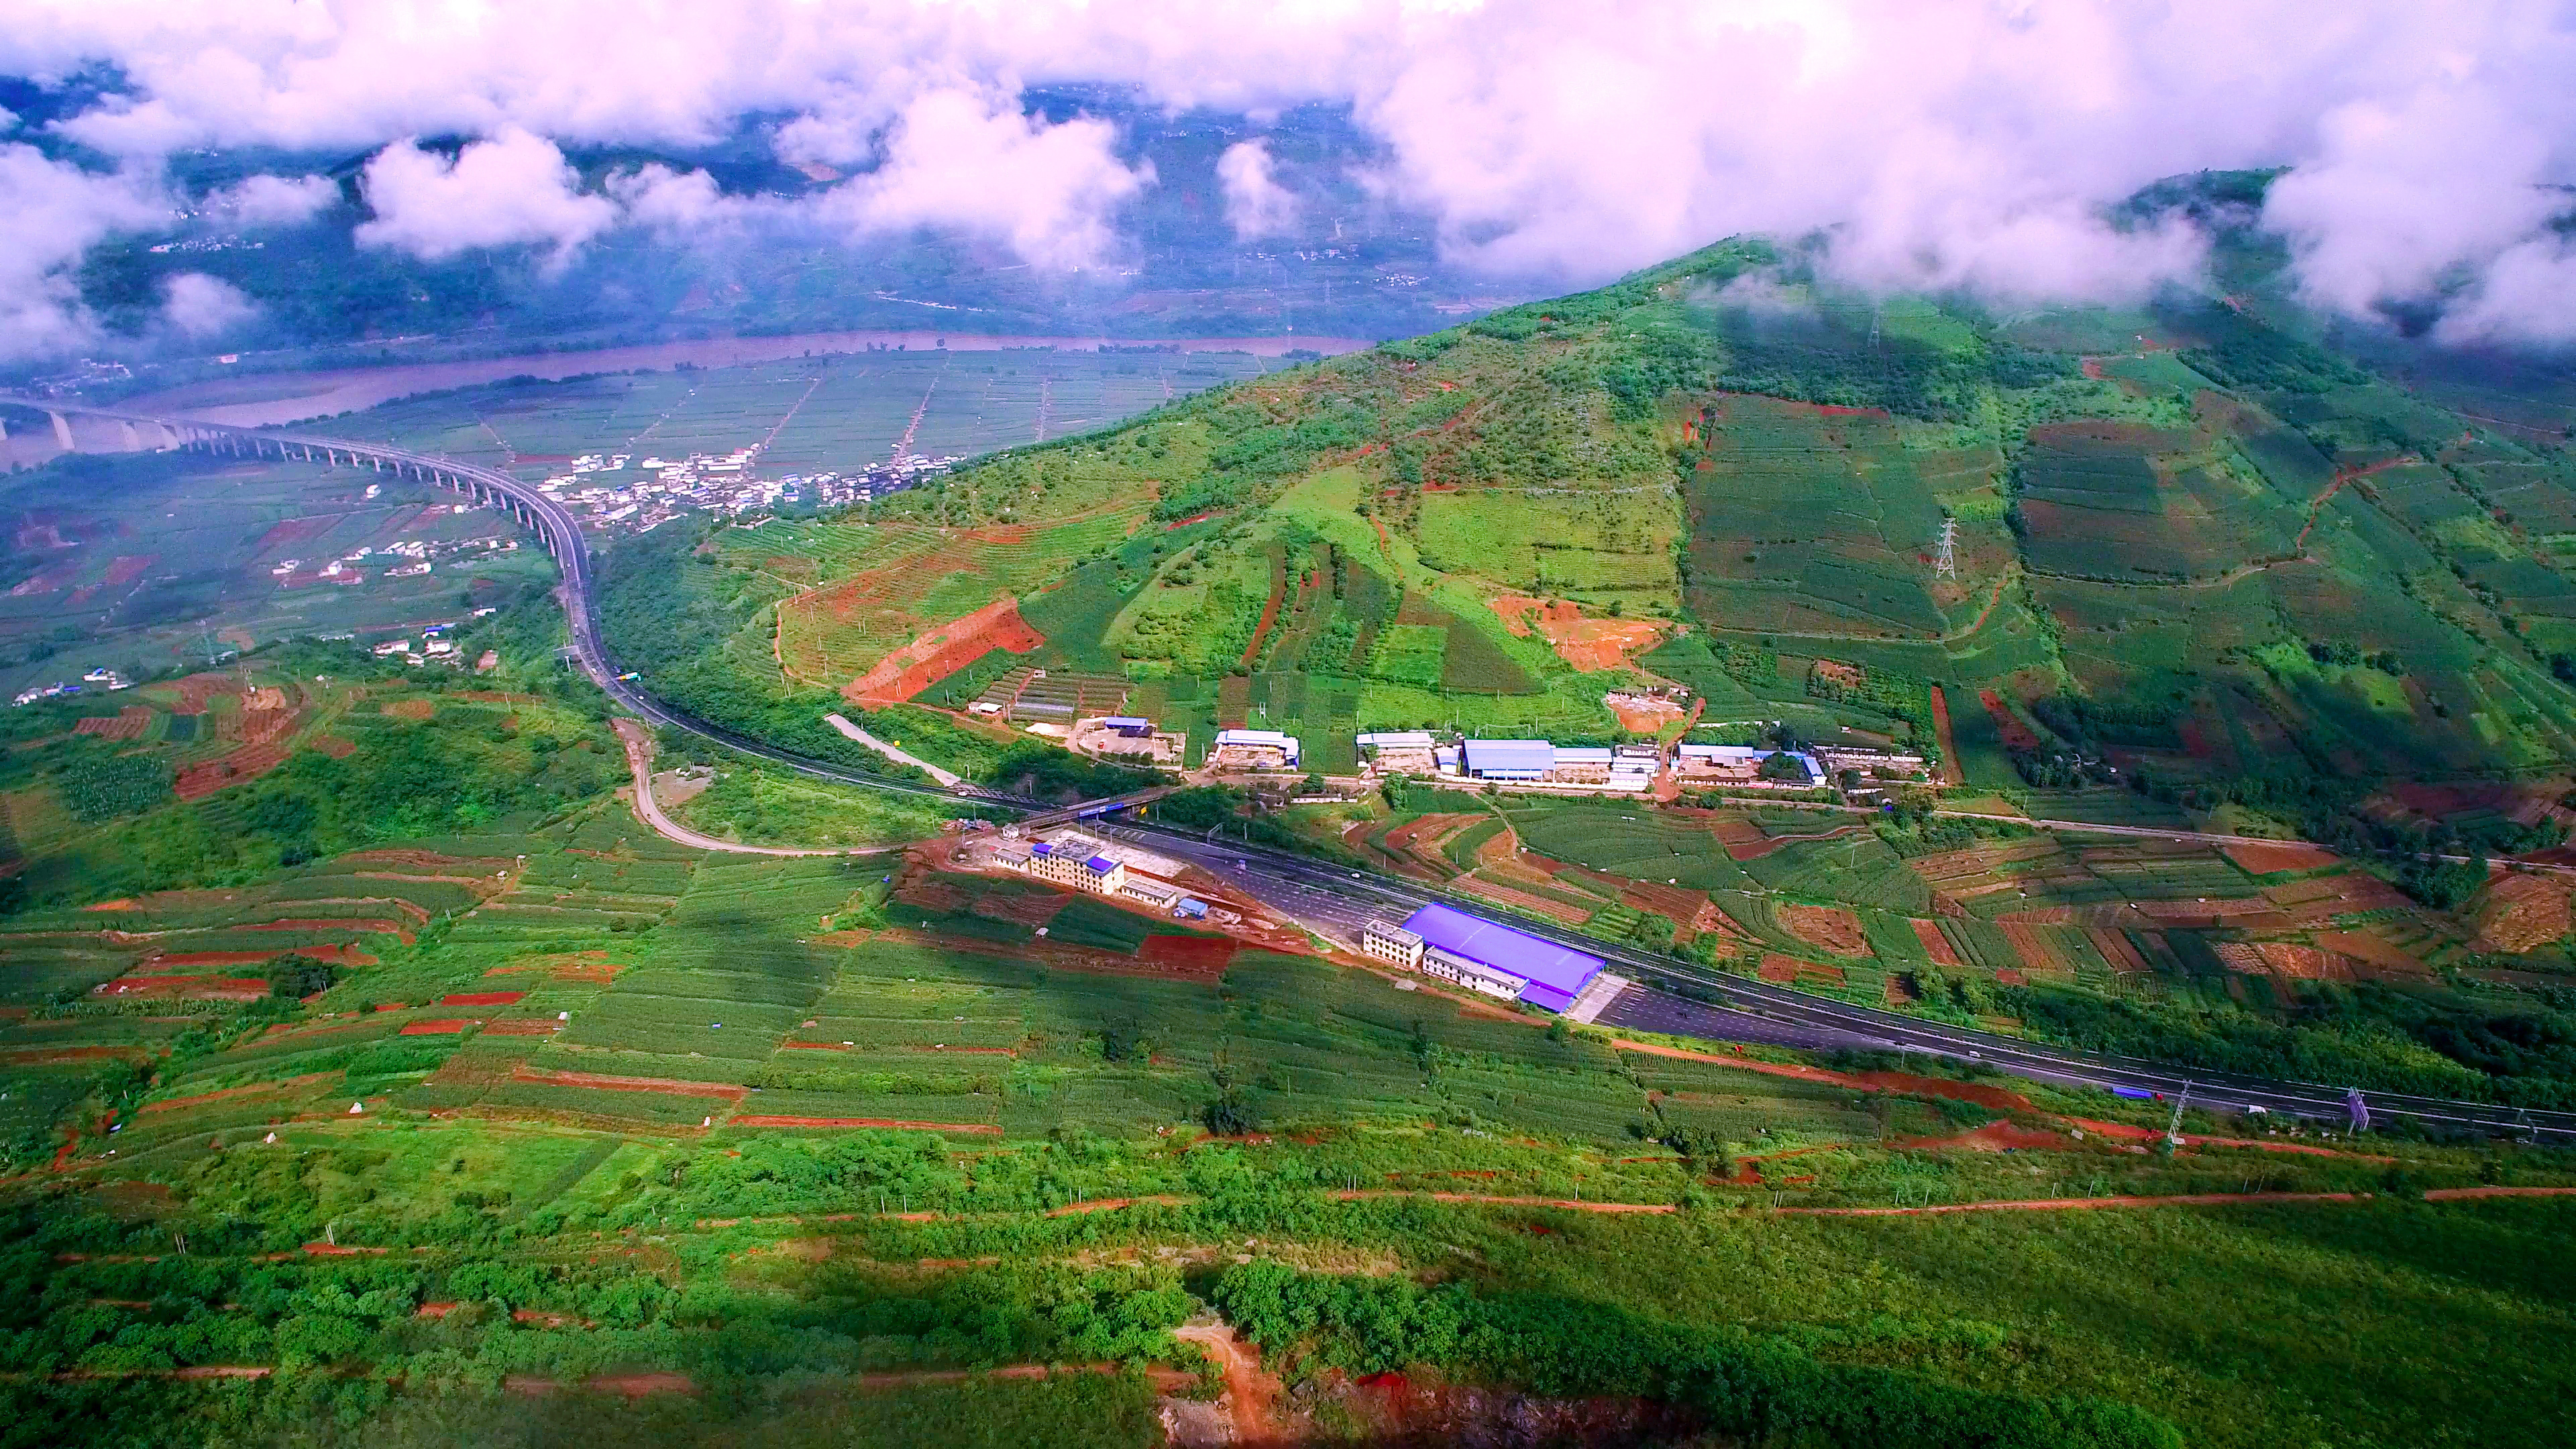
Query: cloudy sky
[1970,143]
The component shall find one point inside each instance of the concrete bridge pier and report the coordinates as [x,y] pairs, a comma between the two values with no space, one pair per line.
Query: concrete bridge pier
[63,432]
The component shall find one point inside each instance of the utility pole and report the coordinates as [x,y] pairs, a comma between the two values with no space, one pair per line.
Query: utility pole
[1945,564]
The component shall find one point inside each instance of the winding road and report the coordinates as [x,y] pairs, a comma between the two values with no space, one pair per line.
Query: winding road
[1695,1001]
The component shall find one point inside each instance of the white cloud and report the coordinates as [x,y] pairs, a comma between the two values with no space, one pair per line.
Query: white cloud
[1968,142]
[955,160]
[2528,294]
[1256,205]
[514,189]
[198,306]
[273,200]
[53,214]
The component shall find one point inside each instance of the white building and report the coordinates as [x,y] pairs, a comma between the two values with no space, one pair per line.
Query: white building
[1742,765]
[1400,752]
[1080,862]
[1255,749]
[1392,943]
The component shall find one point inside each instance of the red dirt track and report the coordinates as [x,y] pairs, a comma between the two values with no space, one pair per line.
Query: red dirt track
[942,652]
[481,998]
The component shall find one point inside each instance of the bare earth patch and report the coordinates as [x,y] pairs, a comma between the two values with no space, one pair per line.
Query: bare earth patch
[1828,927]
[1587,644]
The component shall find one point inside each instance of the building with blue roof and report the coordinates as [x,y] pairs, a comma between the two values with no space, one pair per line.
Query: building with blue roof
[1078,861]
[1492,958]
[1510,759]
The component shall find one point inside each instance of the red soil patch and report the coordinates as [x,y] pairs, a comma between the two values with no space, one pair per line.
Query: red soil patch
[239,767]
[1645,720]
[1587,644]
[1269,614]
[438,1026]
[2266,859]
[661,1086]
[2016,734]
[1829,927]
[294,530]
[1951,774]
[410,709]
[1936,945]
[481,998]
[523,1026]
[332,745]
[196,689]
[1782,970]
[129,723]
[126,569]
[942,652]
[2371,951]
[1196,954]
[980,1129]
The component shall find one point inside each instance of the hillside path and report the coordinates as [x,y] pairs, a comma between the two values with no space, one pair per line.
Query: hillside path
[945,777]
[639,761]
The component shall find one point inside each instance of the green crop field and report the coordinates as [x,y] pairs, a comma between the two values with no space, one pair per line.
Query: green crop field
[1624,839]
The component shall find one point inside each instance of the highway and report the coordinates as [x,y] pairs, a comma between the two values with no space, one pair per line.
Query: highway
[1338,899]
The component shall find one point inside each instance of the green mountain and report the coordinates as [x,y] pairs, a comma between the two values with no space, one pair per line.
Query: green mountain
[2196,534]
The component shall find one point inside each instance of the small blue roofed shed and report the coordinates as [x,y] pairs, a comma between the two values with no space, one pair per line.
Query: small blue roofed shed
[1556,974]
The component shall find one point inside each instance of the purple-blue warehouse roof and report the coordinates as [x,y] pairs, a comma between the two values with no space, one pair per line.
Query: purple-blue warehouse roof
[1102,864]
[1557,974]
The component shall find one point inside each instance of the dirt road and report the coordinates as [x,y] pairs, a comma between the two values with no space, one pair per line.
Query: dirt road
[639,762]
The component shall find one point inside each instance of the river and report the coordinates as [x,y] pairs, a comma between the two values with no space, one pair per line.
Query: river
[275,399]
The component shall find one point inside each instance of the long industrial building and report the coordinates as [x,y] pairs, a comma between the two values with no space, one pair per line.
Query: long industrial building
[1483,956]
